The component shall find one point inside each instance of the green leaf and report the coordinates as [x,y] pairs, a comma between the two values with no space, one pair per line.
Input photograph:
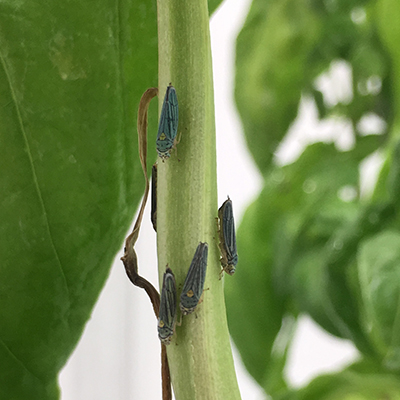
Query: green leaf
[379,270]
[299,241]
[285,45]
[363,380]
[274,383]
[350,34]
[271,64]
[319,102]
[283,244]
[387,188]
[393,179]
[387,15]
[213,5]
[343,289]
[71,78]
[254,308]
[310,239]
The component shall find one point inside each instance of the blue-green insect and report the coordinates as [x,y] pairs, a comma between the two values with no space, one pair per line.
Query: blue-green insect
[153,213]
[167,314]
[227,238]
[194,282]
[168,125]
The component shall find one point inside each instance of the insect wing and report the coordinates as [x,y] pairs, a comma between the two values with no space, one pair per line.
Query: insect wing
[153,214]
[167,314]
[168,126]
[228,227]
[173,111]
[227,237]
[194,282]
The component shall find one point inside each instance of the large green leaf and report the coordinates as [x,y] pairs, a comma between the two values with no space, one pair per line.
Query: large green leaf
[72,74]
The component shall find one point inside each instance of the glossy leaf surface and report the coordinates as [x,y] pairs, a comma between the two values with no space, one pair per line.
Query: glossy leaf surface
[71,80]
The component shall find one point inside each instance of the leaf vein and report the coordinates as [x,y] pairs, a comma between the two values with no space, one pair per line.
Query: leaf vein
[34,175]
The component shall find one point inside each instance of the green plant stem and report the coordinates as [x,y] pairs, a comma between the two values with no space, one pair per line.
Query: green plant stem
[200,354]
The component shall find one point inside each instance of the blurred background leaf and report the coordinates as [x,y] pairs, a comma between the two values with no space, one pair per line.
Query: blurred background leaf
[379,270]
[285,45]
[314,242]
[360,381]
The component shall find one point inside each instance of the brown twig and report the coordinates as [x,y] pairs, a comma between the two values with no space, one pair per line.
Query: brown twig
[165,375]
[130,258]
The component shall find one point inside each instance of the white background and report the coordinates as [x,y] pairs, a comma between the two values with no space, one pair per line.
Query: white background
[118,357]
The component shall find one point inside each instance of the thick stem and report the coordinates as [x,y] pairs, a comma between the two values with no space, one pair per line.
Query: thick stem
[200,354]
